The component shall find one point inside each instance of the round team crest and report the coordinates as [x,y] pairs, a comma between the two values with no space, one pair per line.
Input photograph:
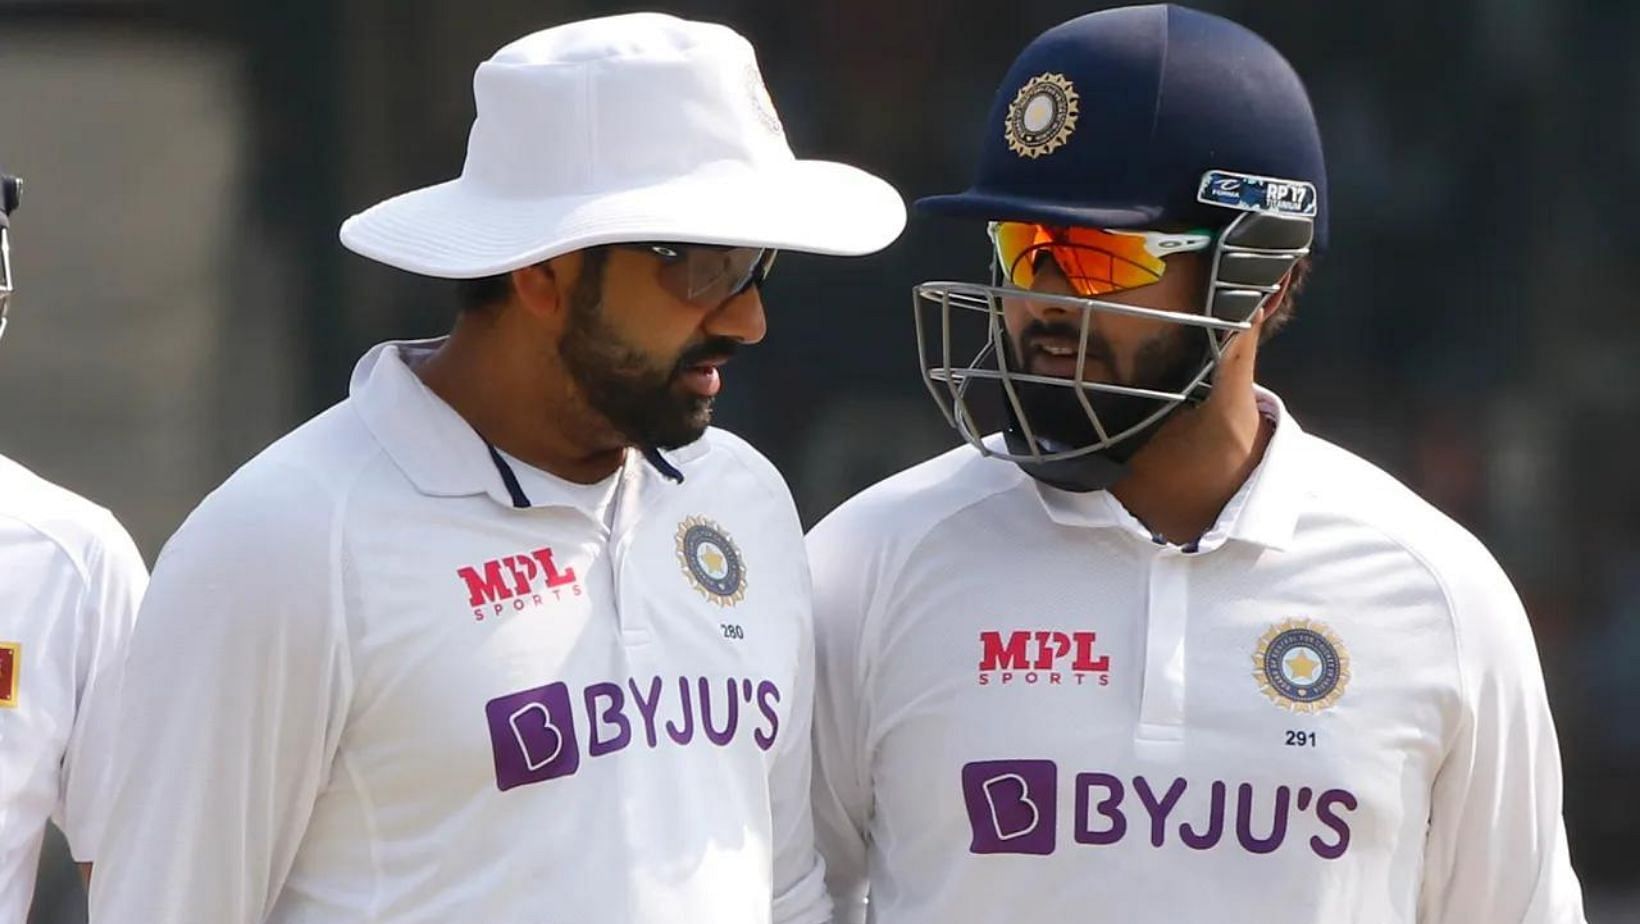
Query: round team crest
[711,561]
[1301,665]
[1042,116]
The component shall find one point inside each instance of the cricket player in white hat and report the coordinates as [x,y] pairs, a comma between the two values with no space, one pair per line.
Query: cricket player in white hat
[511,635]
[70,579]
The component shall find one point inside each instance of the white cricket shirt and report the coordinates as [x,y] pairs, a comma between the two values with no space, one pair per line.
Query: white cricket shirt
[70,579]
[375,682]
[1030,710]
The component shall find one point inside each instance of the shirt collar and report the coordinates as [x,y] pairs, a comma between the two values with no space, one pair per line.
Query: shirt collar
[436,449]
[1263,511]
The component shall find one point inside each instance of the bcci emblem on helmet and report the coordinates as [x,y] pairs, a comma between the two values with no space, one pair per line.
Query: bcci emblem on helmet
[1301,666]
[711,561]
[1042,116]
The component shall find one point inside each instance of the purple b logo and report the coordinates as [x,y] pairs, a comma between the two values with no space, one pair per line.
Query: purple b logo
[533,735]
[1011,805]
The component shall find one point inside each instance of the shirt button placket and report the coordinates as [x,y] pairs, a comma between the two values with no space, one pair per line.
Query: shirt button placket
[1161,703]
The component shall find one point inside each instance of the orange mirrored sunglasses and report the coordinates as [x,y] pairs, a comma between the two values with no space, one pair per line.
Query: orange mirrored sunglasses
[1095,261]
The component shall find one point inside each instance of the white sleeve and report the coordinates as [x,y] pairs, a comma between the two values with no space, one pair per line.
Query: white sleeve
[115,580]
[1496,849]
[799,876]
[842,767]
[235,693]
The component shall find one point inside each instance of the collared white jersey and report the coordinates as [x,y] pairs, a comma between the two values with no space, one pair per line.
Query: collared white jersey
[377,681]
[70,580]
[1330,709]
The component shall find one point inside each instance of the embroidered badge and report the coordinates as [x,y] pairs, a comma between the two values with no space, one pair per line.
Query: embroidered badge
[711,561]
[1042,116]
[1301,665]
[11,662]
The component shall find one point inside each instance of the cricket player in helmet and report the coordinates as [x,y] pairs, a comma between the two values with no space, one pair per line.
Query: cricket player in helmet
[1152,652]
[70,581]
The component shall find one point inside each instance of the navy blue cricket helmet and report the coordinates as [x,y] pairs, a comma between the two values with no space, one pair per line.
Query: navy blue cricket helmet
[1139,119]
[1112,119]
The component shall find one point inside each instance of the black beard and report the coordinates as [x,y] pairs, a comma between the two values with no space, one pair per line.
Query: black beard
[642,401]
[1166,363]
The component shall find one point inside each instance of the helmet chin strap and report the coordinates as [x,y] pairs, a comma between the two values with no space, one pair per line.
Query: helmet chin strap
[1094,471]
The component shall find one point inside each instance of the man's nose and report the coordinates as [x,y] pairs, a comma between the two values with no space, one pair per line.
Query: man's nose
[741,318]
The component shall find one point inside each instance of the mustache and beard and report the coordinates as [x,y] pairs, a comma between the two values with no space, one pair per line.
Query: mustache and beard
[1167,362]
[640,398]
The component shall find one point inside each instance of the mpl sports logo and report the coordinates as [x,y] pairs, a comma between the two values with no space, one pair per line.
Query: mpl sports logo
[516,583]
[534,738]
[1043,656]
[1013,808]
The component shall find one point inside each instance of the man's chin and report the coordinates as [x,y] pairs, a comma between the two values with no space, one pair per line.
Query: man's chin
[686,426]
[1056,415]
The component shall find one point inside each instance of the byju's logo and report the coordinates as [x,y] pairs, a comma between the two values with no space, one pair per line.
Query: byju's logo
[1011,809]
[1011,805]
[533,735]
[516,582]
[533,732]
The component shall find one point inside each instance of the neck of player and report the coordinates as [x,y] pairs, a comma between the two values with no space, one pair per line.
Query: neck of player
[1180,482]
[514,390]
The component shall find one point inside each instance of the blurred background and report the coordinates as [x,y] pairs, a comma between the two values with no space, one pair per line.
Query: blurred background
[1474,327]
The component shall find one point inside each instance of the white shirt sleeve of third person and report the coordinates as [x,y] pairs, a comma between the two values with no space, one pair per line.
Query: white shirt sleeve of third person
[235,691]
[1496,849]
[114,583]
[842,765]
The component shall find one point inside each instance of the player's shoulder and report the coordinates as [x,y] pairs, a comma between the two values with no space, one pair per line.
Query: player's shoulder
[1345,485]
[908,505]
[730,454]
[293,489]
[86,533]
[725,447]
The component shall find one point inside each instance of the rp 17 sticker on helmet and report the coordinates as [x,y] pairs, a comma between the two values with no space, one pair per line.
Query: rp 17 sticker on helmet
[1250,193]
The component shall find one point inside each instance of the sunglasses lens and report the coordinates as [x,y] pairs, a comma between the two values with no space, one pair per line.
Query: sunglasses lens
[717,274]
[1012,240]
[1091,260]
[706,275]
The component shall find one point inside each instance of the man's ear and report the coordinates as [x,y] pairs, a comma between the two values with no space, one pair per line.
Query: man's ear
[1279,307]
[537,288]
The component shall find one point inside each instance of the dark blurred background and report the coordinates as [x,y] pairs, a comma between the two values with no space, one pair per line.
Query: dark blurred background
[1473,327]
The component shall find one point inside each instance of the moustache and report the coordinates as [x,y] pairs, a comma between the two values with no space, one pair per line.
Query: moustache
[708,350]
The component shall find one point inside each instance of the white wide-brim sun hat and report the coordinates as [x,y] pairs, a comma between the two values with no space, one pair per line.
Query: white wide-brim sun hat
[641,127]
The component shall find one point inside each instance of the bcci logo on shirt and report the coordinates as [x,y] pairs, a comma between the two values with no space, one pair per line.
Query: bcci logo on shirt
[1301,665]
[711,561]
